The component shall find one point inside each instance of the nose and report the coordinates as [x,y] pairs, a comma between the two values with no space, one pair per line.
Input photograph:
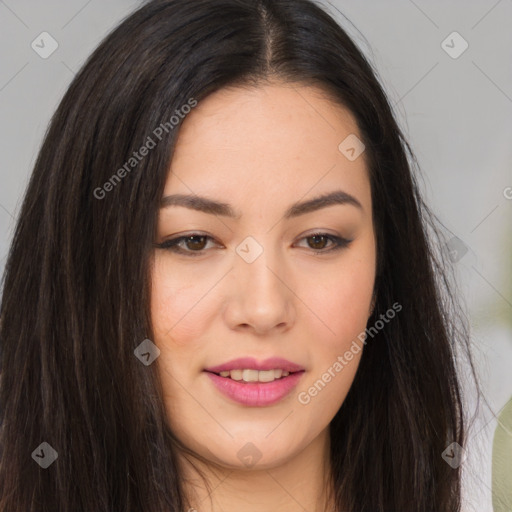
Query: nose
[261,297]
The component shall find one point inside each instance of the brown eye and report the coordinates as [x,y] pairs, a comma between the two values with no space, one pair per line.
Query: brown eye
[190,245]
[195,242]
[319,241]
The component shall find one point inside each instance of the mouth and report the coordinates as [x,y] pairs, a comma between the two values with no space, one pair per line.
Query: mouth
[255,388]
[250,375]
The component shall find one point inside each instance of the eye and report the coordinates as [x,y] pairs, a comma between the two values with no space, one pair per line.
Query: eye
[195,244]
[317,242]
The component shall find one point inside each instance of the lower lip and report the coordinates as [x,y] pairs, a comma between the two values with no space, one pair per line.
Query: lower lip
[256,394]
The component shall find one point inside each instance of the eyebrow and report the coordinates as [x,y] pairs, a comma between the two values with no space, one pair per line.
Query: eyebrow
[210,206]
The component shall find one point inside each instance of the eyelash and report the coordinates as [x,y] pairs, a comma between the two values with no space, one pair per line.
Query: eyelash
[172,244]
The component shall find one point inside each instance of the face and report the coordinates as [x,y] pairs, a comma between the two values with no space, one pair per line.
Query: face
[259,278]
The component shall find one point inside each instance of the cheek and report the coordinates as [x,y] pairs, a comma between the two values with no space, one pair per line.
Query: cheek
[179,303]
[343,307]
[342,302]
[178,319]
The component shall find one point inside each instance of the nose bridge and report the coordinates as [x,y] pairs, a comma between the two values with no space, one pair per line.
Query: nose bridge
[257,265]
[262,296]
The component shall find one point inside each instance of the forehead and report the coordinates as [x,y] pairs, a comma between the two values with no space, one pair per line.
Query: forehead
[278,137]
[267,116]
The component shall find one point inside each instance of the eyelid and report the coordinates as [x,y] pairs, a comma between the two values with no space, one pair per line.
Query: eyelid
[171,244]
[337,243]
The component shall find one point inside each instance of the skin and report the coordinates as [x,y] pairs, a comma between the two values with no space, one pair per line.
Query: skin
[261,150]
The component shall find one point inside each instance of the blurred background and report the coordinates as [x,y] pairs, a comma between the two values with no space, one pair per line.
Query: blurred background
[447,69]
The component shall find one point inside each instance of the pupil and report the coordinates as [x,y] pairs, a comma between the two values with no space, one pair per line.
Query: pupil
[317,237]
[193,240]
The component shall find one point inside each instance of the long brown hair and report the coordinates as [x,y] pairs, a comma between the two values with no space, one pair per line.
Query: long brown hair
[75,299]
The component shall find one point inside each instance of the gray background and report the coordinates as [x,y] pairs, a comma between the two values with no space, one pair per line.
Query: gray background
[456,112]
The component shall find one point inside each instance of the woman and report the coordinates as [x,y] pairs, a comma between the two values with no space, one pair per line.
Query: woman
[222,292]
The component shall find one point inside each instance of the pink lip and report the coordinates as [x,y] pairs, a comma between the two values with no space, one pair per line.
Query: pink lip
[256,394]
[242,363]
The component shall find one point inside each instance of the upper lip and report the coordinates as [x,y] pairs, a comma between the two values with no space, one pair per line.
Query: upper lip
[250,363]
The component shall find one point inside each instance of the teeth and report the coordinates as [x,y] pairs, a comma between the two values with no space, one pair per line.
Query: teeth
[265,376]
[248,375]
[235,374]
